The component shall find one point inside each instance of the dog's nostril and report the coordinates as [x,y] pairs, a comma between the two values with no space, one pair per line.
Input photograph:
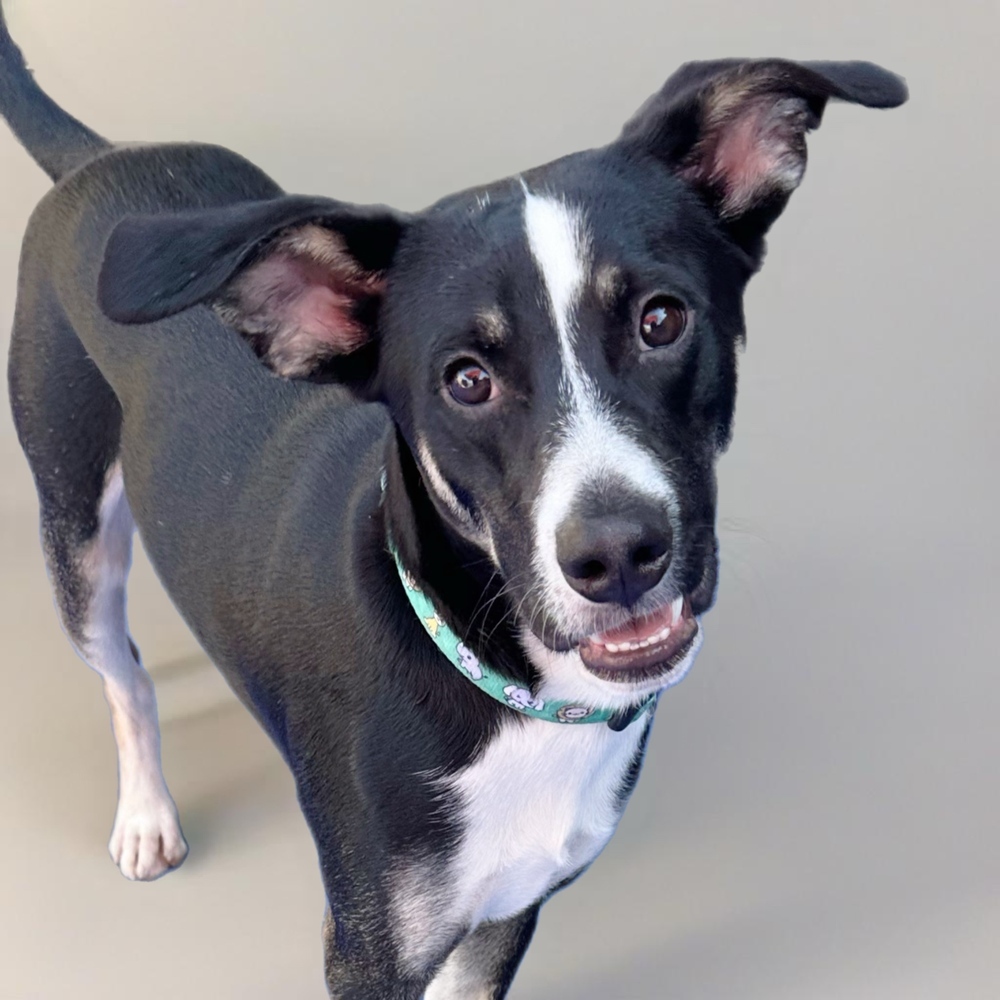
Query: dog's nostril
[646,555]
[612,557]
[592,570]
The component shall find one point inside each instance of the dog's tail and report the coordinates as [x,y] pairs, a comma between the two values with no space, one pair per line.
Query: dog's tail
[55,139]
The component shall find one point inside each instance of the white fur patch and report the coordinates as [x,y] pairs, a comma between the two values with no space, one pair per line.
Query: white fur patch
[146,840]
[440,485]
[457,979]
[537,806]
[424,912]
[560,245]
[482,537]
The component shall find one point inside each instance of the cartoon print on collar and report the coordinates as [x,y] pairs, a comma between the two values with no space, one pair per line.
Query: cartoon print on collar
[469,662]
[521,698]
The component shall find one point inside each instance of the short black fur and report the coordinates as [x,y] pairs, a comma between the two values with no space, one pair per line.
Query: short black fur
[259,497]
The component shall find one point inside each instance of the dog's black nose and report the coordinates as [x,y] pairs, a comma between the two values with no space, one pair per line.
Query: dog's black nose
[613,557]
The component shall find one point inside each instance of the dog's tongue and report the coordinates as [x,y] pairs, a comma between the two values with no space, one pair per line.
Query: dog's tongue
[643,629]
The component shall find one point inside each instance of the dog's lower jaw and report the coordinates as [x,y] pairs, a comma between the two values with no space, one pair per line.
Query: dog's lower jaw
[565,678]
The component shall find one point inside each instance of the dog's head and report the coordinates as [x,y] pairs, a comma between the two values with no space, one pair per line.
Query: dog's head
[557,350]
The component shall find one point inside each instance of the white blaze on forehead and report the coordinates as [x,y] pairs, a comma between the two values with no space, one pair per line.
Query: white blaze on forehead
[560,246]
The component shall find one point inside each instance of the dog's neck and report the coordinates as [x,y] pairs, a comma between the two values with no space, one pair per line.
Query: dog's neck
[458,577]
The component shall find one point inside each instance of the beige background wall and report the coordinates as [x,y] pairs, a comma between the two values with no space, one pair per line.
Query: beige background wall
[819,813]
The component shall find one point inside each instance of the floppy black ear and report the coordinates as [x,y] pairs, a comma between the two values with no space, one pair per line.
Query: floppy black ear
[735,129]
[297,276]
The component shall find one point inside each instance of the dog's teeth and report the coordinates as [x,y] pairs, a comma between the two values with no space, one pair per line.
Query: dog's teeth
[643,643]
[660,636]
[611,647]
[677,608]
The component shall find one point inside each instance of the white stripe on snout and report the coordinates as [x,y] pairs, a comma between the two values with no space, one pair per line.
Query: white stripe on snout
[595,448]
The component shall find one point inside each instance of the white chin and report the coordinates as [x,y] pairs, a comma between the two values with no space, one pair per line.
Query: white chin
[565,678]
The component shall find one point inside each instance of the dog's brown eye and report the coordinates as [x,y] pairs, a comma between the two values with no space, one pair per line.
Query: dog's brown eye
[664,319]
[470,384]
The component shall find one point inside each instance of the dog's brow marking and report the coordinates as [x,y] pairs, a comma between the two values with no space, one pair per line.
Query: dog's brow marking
[608,282]
[493,325]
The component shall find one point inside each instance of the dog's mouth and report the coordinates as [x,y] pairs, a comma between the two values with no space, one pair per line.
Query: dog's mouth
[642,648]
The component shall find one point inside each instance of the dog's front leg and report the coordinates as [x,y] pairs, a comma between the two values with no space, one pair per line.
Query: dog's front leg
[364,969]
[482,966]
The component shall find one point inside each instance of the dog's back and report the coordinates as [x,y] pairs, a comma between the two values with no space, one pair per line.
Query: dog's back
[200,407]
[185,386]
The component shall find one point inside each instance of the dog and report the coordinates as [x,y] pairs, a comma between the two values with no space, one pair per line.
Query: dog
[435,491]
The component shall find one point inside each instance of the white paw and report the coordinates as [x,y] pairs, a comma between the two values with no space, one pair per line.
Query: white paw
[146,841]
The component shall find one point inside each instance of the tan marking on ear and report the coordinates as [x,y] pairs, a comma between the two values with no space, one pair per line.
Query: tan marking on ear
[730,92]
[324,247]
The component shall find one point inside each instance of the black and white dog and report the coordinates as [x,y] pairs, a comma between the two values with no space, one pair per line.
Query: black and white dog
[345,432]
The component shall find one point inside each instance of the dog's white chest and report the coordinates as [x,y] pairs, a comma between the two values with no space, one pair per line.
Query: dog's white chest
[537,806]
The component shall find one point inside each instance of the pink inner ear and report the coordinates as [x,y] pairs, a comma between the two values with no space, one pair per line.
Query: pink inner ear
[321,315]
[754,152]
[744,161]
[302,299]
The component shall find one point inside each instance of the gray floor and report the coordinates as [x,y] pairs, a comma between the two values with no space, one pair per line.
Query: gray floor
[819,815]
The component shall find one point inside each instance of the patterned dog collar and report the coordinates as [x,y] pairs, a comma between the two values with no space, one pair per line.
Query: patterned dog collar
[495,684]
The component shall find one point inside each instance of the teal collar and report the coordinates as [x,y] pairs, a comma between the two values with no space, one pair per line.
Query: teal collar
[495,684]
